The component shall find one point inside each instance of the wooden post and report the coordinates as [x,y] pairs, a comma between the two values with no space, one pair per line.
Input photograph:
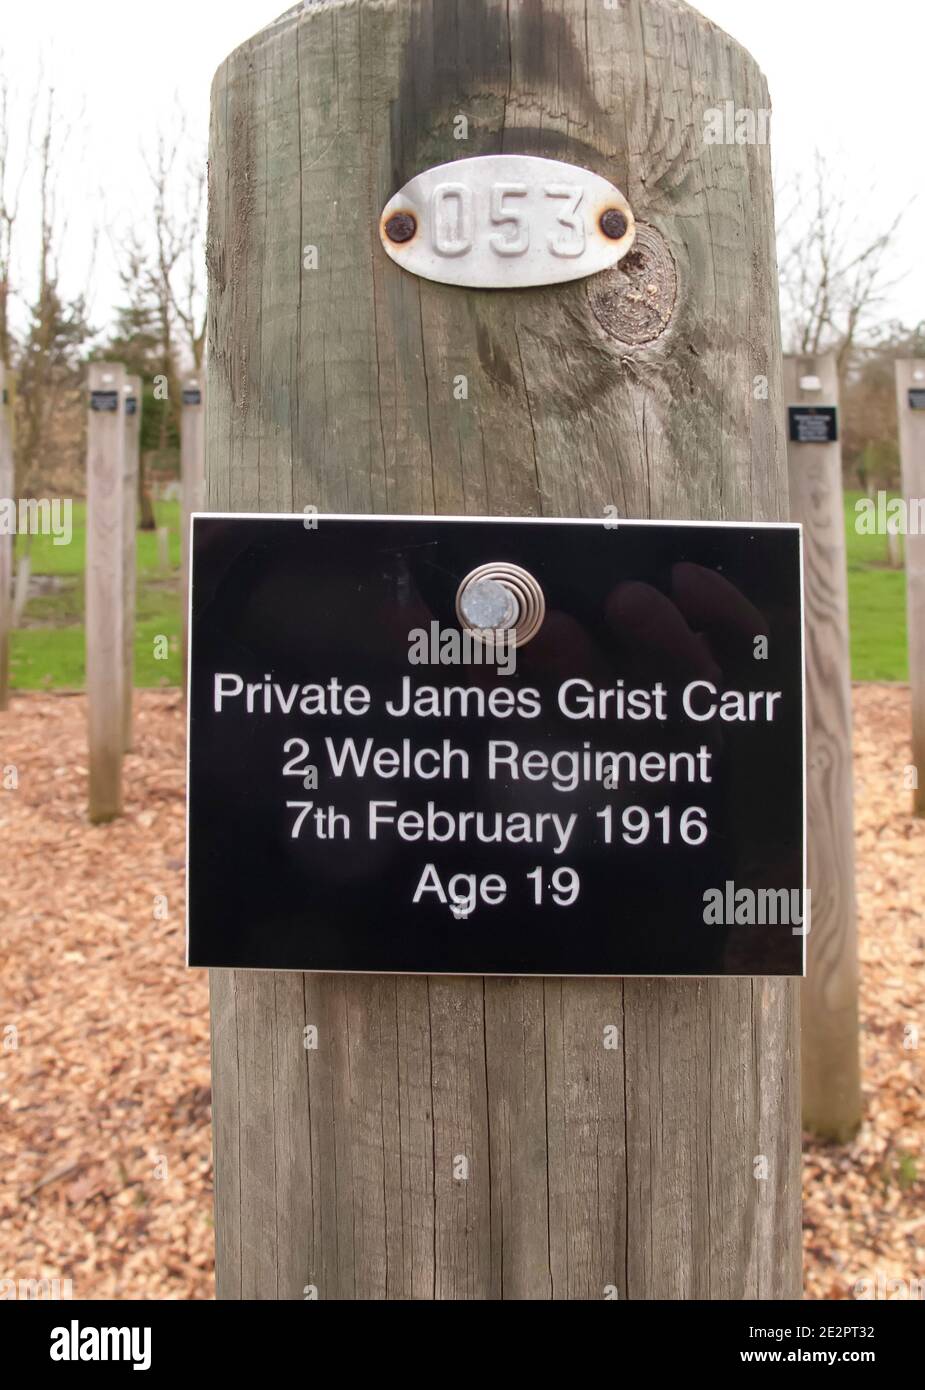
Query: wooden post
[105,590]
[910,377]
[830,1052]
[133,398]
[6,540]
[192,486]
[163,550]
[669,1166]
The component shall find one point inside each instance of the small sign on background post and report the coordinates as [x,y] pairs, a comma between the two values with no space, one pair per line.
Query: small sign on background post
[815,424]
[374,788]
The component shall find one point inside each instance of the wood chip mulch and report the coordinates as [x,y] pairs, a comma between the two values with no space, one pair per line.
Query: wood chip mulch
[106,1169]
[864,1202]
[105,1144]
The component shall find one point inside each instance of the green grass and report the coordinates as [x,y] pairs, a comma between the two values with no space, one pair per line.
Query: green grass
[48,653]
[53,658]
[876,605]
[48,558]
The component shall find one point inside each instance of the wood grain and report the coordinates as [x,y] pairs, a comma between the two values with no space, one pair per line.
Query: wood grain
[630,1170]
[830,1044]
[912,451]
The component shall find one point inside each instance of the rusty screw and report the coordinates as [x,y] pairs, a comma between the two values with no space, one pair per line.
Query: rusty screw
[401,227]
[614,224]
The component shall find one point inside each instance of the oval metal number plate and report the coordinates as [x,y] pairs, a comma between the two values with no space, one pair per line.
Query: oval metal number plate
[505,221]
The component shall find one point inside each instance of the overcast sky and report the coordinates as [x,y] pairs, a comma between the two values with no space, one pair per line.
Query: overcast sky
[843,76]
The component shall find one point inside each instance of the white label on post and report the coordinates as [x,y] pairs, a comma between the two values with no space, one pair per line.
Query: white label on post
[506,221]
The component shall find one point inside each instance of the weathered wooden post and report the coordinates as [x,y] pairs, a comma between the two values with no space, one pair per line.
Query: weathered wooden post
[668,1166]
[6,538]
[830,1046]
[192,486]
[132,406]
[910,407]
[104,586]
[163,550]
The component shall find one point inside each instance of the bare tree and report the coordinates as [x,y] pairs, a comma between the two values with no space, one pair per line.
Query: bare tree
[168,248]
[137,340]
[189,301]
[870,444]
[50,359]
[160,327]
[10,191]
[175,270]
[834,276]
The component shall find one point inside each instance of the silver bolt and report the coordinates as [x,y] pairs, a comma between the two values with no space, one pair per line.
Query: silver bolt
[501,597]
[488,606]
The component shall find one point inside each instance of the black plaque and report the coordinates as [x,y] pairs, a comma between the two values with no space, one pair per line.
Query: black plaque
[309,720]
[192,397]
[916,398]
[131,405]
[815,424]
[106,401]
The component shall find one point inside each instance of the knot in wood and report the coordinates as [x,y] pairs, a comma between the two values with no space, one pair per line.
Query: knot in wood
[635,301]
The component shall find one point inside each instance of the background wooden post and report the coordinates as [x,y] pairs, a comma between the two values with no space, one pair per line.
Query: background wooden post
[910,376]
[6,541]
[192,486]
[105,592]
[830,1052]
[163,550]
[133,404]
[590,1169]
